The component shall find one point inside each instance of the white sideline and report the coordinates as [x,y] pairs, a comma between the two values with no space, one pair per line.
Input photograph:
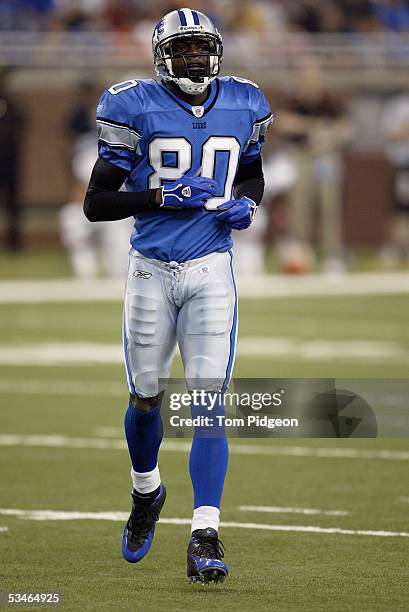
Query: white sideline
[51,515]
[284,510]
[61,441]
[263,285]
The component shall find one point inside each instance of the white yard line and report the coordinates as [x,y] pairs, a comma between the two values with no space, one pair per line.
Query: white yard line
[3,528]
[61,441]
[62,387]
[251,347]
[284,510]
[108,432]
[71,290]
[51,515]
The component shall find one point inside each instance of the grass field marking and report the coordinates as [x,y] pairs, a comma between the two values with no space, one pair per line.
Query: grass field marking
[313,529]
[62,515]
[62,387]
[253,287]
[108,432]
[253,347]
[305,350]
[61,353]
[403,499]
[3,529]
[284,510]
[62,441]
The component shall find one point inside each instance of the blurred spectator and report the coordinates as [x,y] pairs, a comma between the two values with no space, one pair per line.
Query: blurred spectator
[25,14]
[280,177]
[244,16]
[395,126]
[360,15]
[92,247]
[393,14]
[11,133]
[332,18]
[305,15]
[260,16]
[249,246]
[316,127]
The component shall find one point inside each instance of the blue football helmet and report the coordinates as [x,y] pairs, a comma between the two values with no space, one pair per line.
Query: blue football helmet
[186,24]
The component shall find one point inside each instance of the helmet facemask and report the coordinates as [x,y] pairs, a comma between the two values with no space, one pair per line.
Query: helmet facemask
[180,67]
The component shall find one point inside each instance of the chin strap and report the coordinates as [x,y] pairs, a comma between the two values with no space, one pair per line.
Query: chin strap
[184,83]
[190,87]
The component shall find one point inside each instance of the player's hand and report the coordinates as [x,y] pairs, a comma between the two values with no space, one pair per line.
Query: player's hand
[237,214]
[188,192]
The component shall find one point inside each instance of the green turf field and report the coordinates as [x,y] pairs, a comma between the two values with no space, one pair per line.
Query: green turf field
[69,408]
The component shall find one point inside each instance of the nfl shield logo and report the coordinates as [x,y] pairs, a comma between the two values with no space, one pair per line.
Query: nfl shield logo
[198,111]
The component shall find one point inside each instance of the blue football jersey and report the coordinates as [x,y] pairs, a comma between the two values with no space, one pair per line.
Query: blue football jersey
[157,137]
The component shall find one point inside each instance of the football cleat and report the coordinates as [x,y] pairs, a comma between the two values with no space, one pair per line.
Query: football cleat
[140,528]
[204,557]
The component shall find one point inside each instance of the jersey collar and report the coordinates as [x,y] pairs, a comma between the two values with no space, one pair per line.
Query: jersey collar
[207,104]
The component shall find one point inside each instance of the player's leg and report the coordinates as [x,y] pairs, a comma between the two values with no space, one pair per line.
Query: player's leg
[207,328]
[114,241]
[13,207]
[300,211]
[149,343]
[78,236]
[330,205]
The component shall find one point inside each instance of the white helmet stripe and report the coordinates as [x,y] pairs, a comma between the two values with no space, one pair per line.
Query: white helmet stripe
[188,16]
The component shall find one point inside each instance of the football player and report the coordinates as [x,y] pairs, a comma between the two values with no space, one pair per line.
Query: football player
[187,146]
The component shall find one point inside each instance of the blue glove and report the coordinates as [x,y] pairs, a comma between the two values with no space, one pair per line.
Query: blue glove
[188,192]
[237,214]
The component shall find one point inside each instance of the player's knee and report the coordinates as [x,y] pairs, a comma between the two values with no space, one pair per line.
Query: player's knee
[146,403]
[204,373]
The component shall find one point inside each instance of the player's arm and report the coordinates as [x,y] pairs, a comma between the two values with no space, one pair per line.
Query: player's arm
[249,181]
[119,135]
[248,185]
[103,201]
[248,189]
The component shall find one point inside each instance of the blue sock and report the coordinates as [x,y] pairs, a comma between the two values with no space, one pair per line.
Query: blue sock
[144,432]
[208,458]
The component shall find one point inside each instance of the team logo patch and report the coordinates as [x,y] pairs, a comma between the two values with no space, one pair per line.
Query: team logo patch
[204,270]
[142,274]
[160,28]
[186,192]
[198,111]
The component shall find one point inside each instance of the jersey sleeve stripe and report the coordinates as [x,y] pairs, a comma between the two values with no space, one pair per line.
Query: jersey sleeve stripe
[266,118]
[117,136]
[260,128]
[118,124]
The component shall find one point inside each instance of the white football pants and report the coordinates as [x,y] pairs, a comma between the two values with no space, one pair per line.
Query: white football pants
[192,303]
